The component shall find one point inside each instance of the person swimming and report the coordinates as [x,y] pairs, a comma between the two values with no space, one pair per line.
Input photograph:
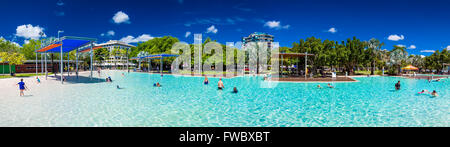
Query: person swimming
[318,86]
[434,93]
[109,79]
[206,81]
[397,86]
[157,85]
[329,86]
[118,87]
[423,91]
[220,84]
[235,90]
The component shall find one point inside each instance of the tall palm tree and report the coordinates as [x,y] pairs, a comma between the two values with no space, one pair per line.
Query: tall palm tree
[114,53]
[397,57]
[374,45]
[416,60]
[142,54]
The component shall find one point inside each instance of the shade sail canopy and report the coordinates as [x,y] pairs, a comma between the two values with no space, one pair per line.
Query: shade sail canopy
[89,49]
[68,44]
[410,67]
[154,56]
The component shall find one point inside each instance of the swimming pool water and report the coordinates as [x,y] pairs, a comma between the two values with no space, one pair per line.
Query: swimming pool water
[186,102]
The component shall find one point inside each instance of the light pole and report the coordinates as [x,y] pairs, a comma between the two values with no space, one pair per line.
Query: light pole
[45,55]
[61,57]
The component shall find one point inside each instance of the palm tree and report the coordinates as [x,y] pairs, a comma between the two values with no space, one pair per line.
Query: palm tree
[397,57]
[115,52]
[142,54]
[416,60]
[374,45]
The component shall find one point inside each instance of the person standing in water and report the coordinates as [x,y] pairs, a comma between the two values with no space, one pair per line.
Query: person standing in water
[220,84]
[397,86]
[235,90]
[206,81]
[22,87]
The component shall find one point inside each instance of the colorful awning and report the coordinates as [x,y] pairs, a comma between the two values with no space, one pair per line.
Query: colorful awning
[68,44]
[410,67]
[89,49]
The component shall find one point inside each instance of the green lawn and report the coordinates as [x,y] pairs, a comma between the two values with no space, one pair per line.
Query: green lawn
[22,75]
[364,72]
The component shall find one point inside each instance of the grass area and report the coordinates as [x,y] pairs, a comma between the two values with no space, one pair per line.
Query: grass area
[364,72]
[23,75]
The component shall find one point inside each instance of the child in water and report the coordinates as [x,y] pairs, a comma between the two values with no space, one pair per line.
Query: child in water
[235,90]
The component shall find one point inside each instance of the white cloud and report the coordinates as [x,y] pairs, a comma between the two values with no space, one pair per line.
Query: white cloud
[29,31]
[401,45]
[187,34]
[26,41]
[332,30]
[422,56]
[109,33]
[396,37]
[212,29]
[412,47]
[448,48]
[132,39]
[272,24]
[276,25]
[121,17]
[427,51]
[15,43]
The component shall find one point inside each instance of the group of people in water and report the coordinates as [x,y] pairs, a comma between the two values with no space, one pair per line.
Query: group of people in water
[433,94]
[220,85]
[329,86]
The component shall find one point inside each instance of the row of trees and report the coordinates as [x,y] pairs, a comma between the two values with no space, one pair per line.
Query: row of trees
[344,56]
[353,54]
[9,54]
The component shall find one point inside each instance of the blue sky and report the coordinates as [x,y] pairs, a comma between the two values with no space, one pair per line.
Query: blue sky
[418,24]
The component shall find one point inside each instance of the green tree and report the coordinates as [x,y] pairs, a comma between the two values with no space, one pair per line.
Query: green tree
[101,55]
[12,59]
[374,52]
[398,57]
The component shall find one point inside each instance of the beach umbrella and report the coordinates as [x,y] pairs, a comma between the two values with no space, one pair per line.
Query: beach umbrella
[410,67]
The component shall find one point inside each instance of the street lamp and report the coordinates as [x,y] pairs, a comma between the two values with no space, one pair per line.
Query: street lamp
[59,31]
[41,34]
[61,57]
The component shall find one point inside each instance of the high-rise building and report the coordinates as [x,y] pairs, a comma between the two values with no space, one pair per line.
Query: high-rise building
[258,37]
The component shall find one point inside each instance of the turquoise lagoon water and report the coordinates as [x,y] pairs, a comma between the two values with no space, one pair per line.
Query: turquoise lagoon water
[186,102]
